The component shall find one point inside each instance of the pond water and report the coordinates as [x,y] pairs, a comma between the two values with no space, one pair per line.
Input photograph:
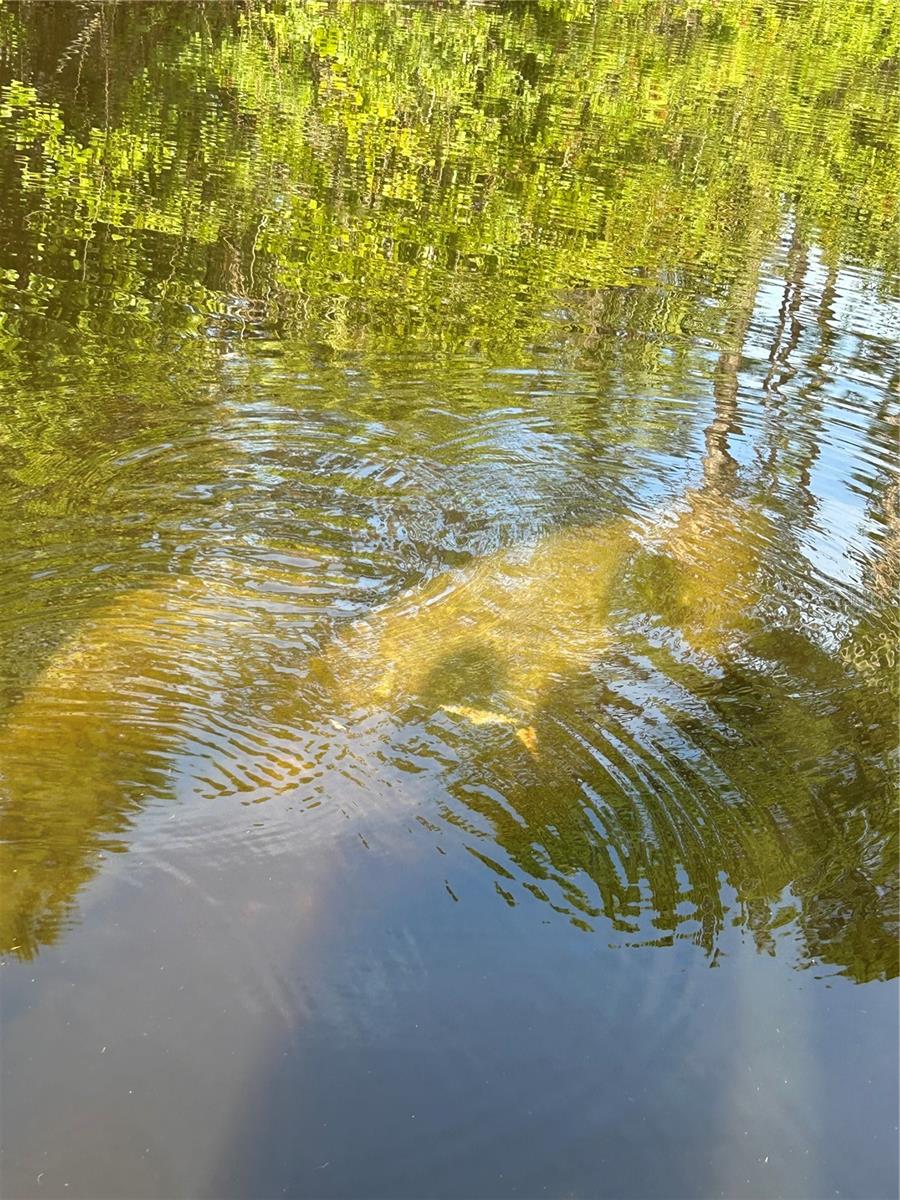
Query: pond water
[450,533]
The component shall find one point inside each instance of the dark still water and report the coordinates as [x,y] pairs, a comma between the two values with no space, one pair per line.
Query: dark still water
[450,528]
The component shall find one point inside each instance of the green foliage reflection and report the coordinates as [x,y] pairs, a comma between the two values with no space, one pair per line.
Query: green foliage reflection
[212,210]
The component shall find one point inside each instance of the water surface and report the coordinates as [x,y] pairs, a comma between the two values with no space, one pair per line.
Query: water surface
[450,534]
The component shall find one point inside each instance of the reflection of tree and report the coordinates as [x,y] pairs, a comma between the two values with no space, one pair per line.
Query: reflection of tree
[882,569]
[659,773]
[657,784]
[274,160]
[713,550]
[370,177]
[773,772]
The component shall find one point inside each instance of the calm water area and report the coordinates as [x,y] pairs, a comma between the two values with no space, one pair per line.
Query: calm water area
[449,562]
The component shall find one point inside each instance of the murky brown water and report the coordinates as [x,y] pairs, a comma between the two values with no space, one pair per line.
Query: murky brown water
[448,678]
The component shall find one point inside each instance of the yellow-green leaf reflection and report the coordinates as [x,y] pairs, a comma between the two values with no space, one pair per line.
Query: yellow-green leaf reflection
[499,395]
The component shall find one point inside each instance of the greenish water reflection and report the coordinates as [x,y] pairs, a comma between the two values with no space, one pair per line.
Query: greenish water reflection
[520,379]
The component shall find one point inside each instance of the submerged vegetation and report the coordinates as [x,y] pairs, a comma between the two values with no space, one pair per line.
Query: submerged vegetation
[246,248]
